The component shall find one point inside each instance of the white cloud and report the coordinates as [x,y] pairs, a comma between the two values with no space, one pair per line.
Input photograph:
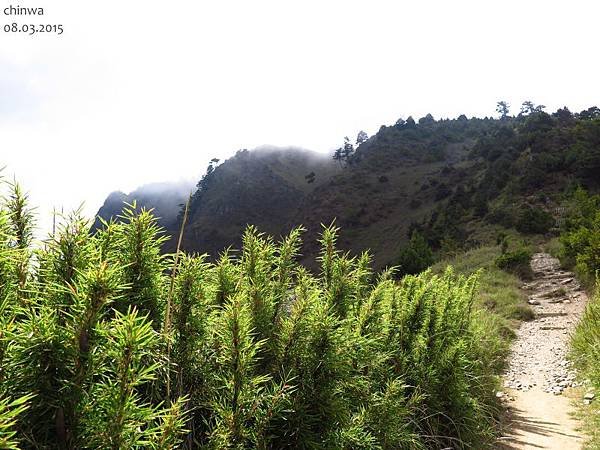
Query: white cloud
[142,91]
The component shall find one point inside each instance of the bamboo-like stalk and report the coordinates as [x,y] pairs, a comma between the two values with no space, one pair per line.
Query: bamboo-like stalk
[167,324]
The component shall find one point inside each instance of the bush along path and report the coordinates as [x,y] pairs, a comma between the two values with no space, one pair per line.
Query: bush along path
[538,378]
[105,343]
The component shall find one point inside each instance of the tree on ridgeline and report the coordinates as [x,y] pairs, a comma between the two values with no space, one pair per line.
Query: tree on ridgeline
[426,120]
[410,123]
[503,108]
[338,156]
[361,137]
[212,165]
[564,116]
[343,155]
[528,107]
[348,149]
[590,113]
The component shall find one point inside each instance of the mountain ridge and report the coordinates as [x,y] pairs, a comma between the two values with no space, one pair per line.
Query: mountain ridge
[460,182]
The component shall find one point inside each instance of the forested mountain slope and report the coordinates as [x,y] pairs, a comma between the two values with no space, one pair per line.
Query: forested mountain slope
[458,182]
[262,187]
[165,198]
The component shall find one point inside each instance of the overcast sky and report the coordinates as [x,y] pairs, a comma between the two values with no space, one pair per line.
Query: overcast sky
[138,91]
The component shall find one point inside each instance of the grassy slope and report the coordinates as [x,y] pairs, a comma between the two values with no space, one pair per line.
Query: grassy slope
[586,356]
[499,291]
[376,214]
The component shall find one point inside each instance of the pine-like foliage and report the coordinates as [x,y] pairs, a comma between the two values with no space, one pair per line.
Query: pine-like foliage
[9,411]
[107,343]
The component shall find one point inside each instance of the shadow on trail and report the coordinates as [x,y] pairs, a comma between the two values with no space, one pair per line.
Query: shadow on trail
[519,425]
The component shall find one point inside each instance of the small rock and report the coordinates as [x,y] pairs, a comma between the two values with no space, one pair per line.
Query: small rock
[589,396]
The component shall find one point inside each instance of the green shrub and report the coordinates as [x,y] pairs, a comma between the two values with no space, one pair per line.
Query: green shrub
[416,256]
[500,292]
[585,353]
[555,248]
[502,216]
[581,249]
[9,412]
[581,237]
[534,221]
[517,262]
[114,345]
[586,341]
[415,203]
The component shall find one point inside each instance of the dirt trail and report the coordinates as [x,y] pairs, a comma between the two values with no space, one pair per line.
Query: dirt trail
[539,414]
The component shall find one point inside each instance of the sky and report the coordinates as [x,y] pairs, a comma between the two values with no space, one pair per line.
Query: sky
[141,91]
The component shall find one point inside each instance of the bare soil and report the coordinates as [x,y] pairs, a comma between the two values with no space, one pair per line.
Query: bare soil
[538,383]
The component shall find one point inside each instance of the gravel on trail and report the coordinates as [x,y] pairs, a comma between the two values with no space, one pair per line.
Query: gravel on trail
[539,415]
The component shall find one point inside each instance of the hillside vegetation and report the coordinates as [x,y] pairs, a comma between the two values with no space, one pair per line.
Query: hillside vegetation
[459,183]
[581,249]
[261,187]
[165,200]
[107,343]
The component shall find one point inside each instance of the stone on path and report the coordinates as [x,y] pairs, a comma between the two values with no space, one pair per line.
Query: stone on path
[539,374]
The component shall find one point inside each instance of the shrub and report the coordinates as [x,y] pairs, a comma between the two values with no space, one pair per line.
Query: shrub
[517,262]
[534,221]
[480,206]
[415,203]
[501,216]
[581,248]
[581,237]
[416,256]
[585,353]
[442,191]
[113,345]
[8,419]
